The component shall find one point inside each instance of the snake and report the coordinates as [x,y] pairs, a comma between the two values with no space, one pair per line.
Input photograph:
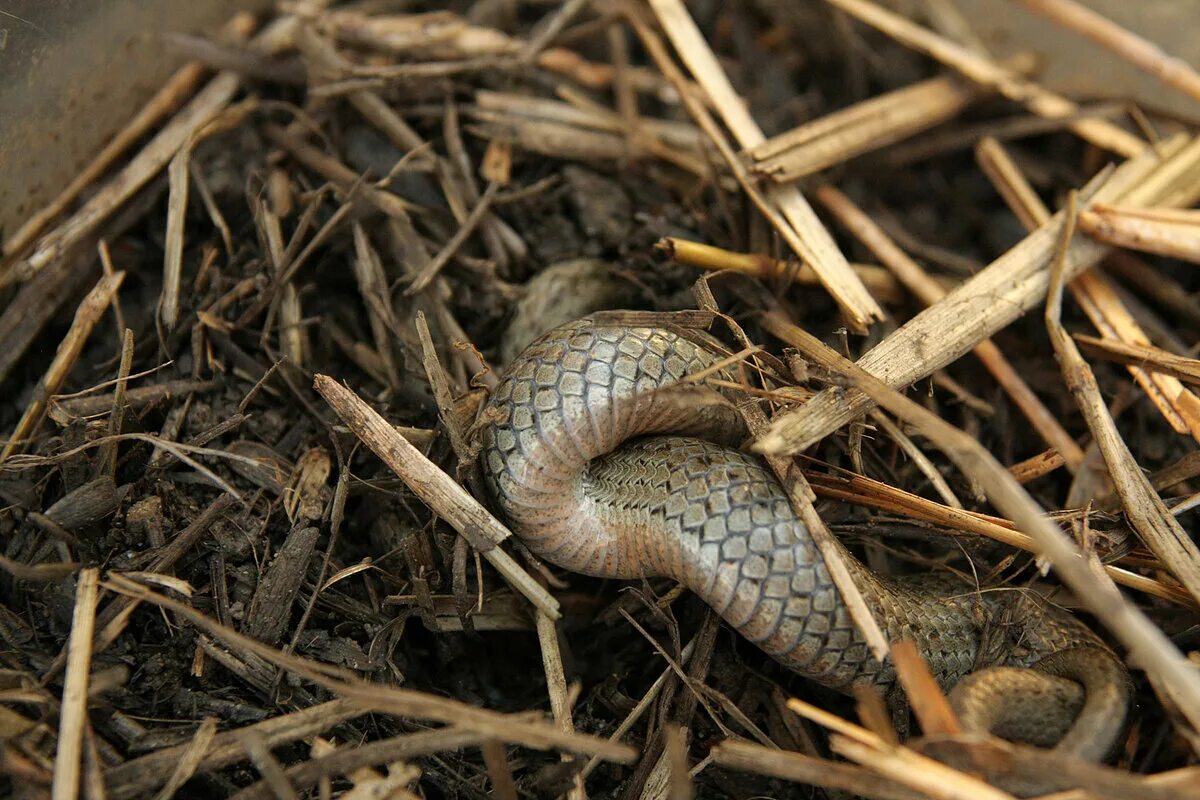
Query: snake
[610,455]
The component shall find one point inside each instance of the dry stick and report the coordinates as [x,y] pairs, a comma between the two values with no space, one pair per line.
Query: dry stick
[324,56]
[1017,764]
[193,754]
[1142,53]
[330,167]
[106,458]
[881,283]
[929,291]
[177,202]
[917,771]
[980,307]
[864,491]
[518,729]
[345,760]
[73,716]
[1094,292]
[556,687]
[438,490]
[901,764]
[863,127]
[451,248]
[800,768]
[548,28]
[929,705]
[137,777]
[1149,647]
[1035,467]
[790,213]
[86,316]
[1175,234]
[584,114]
[984,71]
[918,458]
[1145,510]
[1143,355]
[499,770]
[273,783]
[373,287]
[180,85]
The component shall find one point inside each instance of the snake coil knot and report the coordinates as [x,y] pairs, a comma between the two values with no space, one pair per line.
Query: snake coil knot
[604,466]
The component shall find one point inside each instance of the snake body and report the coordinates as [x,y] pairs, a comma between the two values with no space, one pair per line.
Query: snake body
[608,463]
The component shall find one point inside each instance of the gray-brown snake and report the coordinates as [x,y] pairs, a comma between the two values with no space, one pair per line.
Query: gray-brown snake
[606,466]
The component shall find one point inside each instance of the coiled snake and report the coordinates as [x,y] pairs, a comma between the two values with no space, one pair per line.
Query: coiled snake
[604,469]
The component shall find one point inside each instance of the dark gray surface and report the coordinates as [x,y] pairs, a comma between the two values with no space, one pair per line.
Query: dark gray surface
[71,72]
[1077,67]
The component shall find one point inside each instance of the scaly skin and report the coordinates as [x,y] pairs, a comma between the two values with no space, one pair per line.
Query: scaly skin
[571,455]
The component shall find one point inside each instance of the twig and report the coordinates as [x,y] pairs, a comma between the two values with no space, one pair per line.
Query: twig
[800,768]
[862,128]
[90,310]
[1164,232]
[345,760]
[1142,355]
[550,27]
[1144,509]
[881,283]
[437,489]
[385,699]
[556,687]
[138,776]
[107,457]
[73,717]
[177,203]
[191,759]
[451,248]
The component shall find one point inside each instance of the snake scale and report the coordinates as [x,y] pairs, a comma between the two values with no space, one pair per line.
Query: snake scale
[608,463]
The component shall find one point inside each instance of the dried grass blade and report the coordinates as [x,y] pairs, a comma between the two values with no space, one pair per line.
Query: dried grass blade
[1149,647]
[862,128]
[799,768]
[929,292]
[984,71]
[1175,235]
[437,489]
[1009,286]
[90,310]
[1144,509]
[73,717]
[804,232]
[1095,293]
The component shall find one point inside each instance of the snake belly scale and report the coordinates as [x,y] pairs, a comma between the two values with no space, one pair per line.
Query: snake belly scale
[606,463]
